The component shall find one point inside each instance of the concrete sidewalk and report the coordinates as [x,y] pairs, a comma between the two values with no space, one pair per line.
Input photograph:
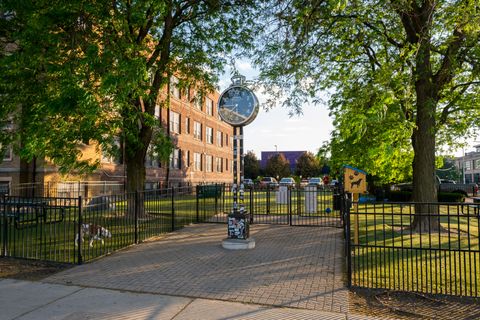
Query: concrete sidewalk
[36,300]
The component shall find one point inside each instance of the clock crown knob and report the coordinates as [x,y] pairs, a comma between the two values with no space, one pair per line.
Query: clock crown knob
[238,79]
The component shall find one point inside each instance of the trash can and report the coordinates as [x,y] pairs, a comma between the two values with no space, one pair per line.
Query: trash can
[337,201]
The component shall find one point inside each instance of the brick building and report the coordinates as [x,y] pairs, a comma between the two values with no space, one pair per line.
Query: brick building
[469,165]
[203,150]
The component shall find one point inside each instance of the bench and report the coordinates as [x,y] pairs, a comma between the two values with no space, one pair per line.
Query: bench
[28,212]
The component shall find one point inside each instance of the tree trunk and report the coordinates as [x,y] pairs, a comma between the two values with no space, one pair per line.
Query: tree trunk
[135,182]
[423,140]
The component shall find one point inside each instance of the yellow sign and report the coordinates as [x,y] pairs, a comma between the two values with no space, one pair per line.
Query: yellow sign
[355,180]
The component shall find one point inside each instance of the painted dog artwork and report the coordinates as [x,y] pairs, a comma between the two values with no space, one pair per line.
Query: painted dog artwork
[357,183]
[92,232]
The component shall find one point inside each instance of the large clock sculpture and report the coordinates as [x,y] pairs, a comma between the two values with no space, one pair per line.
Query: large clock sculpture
[238,106]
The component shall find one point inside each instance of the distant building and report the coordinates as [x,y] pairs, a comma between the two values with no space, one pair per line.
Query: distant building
[469,166]
[291,156]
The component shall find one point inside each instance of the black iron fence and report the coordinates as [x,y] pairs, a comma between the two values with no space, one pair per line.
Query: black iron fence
[75,230]
[422,247]
[79,229]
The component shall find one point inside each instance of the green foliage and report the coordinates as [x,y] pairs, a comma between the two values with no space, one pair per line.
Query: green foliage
[406,196]
[307,165]
[448,170]
[399,196]
[278,166]
[450,197]
[87,71]
[251,165]
[393,77]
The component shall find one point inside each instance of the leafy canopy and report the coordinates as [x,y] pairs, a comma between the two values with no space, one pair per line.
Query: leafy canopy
[378,70]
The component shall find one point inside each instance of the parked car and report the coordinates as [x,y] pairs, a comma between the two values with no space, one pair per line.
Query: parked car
[268,182]
[315,182]
[463,188]
[289,182]
[248,183]
[304,183]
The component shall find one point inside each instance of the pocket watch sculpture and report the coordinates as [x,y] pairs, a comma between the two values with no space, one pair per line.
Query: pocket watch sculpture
[238,106]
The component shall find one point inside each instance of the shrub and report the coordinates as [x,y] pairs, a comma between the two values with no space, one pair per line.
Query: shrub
[451,197]
[400,196]
[405,196]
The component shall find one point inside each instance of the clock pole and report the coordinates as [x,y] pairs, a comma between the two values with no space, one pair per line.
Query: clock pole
[238,106]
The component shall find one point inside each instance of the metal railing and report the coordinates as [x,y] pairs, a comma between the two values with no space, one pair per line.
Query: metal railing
[79,229]
[421,247]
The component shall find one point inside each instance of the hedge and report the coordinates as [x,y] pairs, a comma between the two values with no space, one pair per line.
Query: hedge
[406,196]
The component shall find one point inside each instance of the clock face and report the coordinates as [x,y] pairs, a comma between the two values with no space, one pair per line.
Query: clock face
[238,106]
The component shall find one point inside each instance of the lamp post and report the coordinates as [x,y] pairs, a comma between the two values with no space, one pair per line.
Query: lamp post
[276,151]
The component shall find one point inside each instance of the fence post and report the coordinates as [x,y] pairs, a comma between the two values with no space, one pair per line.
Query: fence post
[268,198]
[137,205]
[348,250]
[290,205]
[5,229]
[216,191]
[79,232]
[251,204]
[173,208]
[197,208]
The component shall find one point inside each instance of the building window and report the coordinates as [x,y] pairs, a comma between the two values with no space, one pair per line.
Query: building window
[174,88]
[175,159]
[208,163]
[231,143]
[187,162]
[157,111]
[219,164]
[8,153]
[174,122]
[468,178]
[187,125]
[468,165]
[198,102]
[197,161]
[476,178]
[219,139]
[226,139]
[476,164]
[226,164]
[209,106]
[151,158]
[209,135]
[197,130]
[4,187]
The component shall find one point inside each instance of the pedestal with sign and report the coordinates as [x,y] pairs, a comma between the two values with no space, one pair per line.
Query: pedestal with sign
[355,182]
[311,202]
[238,106]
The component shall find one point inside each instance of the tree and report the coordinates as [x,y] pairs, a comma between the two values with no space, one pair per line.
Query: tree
[92,72]
[403,73]
[307,165]
[252,166]
[278,166]
[449,171]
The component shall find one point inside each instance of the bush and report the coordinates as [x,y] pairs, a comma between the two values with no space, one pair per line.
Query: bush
[406,196]
[450,197]
[400,196]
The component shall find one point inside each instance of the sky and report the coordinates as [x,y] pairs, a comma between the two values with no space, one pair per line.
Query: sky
[275,130]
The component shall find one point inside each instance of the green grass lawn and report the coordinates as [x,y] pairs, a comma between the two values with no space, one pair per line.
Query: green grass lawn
[53,238]
[391,255]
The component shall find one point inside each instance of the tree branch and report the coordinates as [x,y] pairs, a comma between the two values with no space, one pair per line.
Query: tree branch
[445,73]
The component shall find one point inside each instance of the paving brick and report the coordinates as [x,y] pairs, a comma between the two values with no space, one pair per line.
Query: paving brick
[290,266]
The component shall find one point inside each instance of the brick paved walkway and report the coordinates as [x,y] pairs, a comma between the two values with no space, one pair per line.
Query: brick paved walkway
[291,266]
